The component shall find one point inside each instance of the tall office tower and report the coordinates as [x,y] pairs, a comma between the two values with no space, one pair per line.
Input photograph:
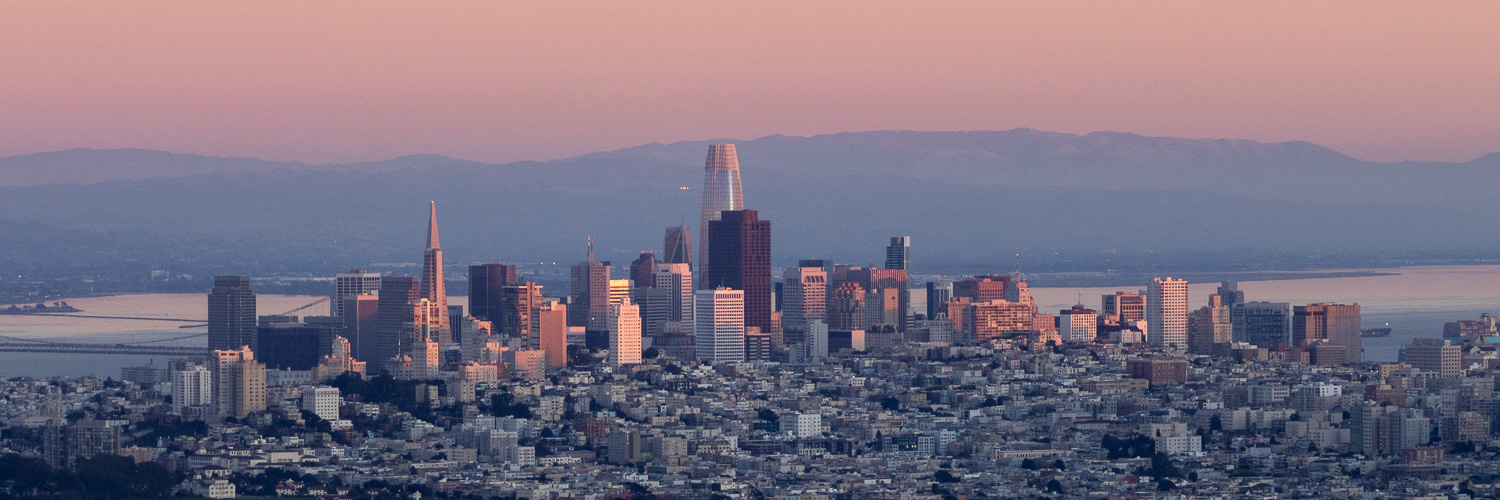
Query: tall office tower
[590,292]
[1229,293]
[883,307]
[1126,307]
[1435,356]
[624,334]
[1078,324]
[805,291]
[432,277]
[1263,324]
[1210,328]
[455,324]
[677,279]
[1166,312]
[937,295]
[678,247]
[361,322]
[656,307]
[846,307]
[518,303]
[192,385]
[397,294]
[721,192]
[757,345]
[1337,323]
[485,282]
[354,282]
[241,382]
[551,326]
[231,313]
[741,244]
[643,270]
[817,339]
[898,255]
[619,290]
[720,325]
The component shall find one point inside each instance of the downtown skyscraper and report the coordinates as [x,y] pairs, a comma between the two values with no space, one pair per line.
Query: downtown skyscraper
[432,278]
[590,292]
[721,192]
[353,283]
[1167,313]
[486,282]
[677,247]
[231,313]
[741,243]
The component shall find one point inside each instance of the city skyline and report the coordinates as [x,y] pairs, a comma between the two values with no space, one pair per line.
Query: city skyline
[1257,237]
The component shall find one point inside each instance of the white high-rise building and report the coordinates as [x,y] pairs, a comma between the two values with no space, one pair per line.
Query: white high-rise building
[719,325]
[1166,312]
[323,401]
[355,282]
[805,297]
[817,339]
[624,333]
[192,385]
[679,279]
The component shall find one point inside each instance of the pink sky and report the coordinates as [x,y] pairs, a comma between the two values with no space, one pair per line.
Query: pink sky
[504,81]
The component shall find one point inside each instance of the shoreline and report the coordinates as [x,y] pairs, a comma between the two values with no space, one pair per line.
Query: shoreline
[1093,280]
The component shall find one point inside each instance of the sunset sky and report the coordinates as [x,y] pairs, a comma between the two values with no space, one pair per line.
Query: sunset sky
[504,81]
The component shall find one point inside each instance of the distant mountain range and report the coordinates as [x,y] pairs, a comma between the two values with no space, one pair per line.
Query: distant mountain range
[967,198]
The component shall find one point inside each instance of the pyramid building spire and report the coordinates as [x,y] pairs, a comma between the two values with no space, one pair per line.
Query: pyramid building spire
[432,233]
[431,285]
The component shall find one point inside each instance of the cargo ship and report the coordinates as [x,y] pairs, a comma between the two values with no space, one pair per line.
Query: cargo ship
[1384,331]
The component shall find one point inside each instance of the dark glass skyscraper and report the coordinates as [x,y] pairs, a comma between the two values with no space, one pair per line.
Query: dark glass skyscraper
[898,255]
[721,192]
[485,283]
[741,245]
[397,293]
[231,314]
[643,270]
[589,288]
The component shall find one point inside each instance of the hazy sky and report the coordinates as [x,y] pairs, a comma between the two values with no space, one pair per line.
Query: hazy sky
[500,81]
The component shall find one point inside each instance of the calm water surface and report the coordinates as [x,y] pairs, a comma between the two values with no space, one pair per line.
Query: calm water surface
[1416,302]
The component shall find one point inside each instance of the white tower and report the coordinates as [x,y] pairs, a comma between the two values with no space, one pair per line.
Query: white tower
[624,333]
[1166,313]
[720,325]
